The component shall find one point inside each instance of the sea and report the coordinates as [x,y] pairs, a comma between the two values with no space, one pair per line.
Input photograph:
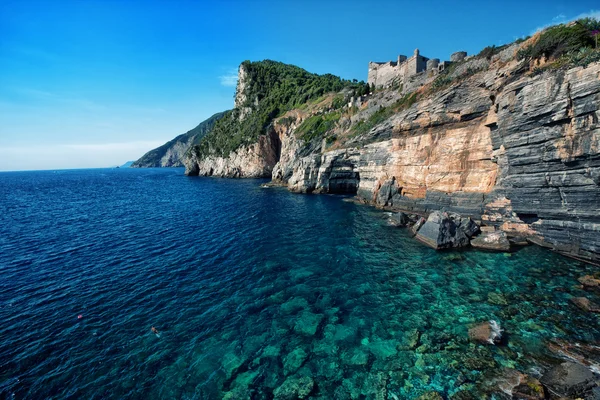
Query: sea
[147,284]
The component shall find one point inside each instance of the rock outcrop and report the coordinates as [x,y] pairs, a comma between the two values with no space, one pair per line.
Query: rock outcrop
[252,161]
[171,154]
[444,231]
[518,152]
[514,150]
[492,241]
[569,379]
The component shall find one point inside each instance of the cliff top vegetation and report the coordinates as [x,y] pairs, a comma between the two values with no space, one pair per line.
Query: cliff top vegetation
[272,88]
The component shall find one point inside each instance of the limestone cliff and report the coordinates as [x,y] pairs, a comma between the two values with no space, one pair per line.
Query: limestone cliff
[514,150]
[494,138]
[171,154]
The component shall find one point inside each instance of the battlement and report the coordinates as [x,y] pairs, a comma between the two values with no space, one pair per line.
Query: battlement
[386,74]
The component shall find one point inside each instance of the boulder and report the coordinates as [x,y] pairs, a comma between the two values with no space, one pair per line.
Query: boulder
[585,304]
[399,219]
[491,241]
[488,332]
[430,396]
[465,224]
[415,228]
[294,388]
[569,380]
[530,389]
[440,231]
[590,282]
[294,360]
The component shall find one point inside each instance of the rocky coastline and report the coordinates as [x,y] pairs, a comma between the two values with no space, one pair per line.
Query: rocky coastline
[513,151]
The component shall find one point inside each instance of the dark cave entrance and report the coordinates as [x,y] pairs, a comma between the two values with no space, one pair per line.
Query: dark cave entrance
[345,182]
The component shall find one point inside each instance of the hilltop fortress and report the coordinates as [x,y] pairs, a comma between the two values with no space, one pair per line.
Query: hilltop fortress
[387,74]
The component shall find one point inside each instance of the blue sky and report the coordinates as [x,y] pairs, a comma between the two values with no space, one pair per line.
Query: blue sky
[97,83]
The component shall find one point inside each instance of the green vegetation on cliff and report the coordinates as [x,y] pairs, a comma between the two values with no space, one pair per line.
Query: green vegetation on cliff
[154,158]
[567,45]
[317,126]
[270,89]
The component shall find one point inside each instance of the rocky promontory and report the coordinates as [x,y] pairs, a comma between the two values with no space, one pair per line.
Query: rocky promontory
[171,154]
[509,138]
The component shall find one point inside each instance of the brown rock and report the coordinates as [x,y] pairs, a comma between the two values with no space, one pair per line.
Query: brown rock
[529,389]
[585,304]
[589,282]
[488,332]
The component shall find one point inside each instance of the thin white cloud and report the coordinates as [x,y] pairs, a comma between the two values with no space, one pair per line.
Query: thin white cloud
[561,19]
[229,79]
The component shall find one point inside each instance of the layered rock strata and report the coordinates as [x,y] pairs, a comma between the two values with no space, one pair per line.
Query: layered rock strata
[510,149]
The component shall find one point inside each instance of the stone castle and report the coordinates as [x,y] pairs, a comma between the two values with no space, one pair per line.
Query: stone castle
[386,74]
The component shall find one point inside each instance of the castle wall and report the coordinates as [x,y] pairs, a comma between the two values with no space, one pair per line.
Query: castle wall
[372,78]
[385,74]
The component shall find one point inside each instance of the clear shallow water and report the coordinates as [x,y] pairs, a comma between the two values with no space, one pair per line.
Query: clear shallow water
[250,287]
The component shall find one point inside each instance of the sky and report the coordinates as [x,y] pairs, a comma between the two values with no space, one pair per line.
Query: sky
[96,83]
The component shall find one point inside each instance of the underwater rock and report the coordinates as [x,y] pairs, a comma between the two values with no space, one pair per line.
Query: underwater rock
[293,305]
[569,379]
[410,339]
[399,219]
[294,360]
[430,396]
[230,363]
[585,304]
[355,356]
[590,282]
[583,353]
[375,386]
[307,323]
[519,386]
[294,388]
[271,351]
[497,299]
[492,241]
[383,348]
[441,232]
[530,389]
[486,333]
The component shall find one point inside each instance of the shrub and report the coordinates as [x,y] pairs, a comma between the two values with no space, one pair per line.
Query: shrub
[278,87]
[376,118]
[559,40]
[317,126]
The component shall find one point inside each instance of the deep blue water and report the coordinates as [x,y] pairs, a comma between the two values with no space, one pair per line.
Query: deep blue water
[253,290]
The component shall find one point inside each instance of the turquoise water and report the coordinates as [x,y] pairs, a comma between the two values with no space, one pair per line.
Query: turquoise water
[257,293]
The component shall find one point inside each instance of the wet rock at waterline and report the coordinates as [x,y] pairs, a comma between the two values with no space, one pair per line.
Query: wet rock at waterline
[492,241]
[488,332]
[570,380]
[441,231]
[399,219]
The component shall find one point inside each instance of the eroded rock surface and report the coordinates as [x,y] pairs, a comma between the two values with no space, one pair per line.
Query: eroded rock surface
[517,151]
[569,379]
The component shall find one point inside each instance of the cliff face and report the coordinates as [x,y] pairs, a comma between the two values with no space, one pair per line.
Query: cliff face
[252,161]
[171,154]
[515,151]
